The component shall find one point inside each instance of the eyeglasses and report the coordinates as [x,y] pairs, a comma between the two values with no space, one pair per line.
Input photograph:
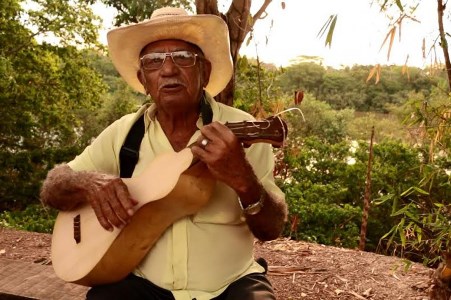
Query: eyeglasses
[154,61]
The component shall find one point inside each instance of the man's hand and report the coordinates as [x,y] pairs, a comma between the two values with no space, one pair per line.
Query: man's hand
[65,189]
[224,156]
[111,201]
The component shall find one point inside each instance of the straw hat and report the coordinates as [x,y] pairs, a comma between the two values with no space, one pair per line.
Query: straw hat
[208,32]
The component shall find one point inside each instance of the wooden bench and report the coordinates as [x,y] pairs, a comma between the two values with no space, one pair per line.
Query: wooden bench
[25,280]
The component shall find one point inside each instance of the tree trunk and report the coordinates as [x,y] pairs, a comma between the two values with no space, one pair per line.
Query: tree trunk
[239,22]
[444,44]
[443,280]
[366,200]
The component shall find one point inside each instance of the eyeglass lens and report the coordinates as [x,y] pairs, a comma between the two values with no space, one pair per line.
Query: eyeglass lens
[153,61]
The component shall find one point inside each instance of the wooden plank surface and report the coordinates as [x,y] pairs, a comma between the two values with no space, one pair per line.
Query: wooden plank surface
[25,280]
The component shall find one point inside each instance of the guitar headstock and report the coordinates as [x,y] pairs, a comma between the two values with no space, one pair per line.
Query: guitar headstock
[272,130]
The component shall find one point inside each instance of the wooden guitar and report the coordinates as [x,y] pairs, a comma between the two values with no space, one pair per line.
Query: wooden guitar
[85,253]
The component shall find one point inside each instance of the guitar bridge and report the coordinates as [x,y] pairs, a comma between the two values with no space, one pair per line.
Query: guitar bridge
[77,230]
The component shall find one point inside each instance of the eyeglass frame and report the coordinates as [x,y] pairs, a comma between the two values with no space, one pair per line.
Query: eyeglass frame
[166,54]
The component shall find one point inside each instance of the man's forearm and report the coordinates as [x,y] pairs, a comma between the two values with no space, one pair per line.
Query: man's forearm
[65,189]
[268,223]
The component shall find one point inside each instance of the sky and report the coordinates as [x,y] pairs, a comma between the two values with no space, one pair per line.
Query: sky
[359,33]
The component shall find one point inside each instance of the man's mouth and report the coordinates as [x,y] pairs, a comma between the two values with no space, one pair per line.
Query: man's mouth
[173,84]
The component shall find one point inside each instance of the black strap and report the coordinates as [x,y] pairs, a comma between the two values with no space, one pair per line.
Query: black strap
[129,154]
[206,111]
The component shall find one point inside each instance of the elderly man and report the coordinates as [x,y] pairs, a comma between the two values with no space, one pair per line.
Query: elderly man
[180,61]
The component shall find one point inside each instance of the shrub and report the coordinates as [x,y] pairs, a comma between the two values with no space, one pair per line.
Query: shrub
[34,217]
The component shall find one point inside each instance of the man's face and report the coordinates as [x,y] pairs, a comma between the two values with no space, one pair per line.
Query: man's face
[178,82]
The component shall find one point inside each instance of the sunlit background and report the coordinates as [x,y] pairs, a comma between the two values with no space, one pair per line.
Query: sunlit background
[286,34]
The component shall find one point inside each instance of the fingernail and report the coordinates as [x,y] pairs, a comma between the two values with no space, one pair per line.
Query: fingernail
[130,212]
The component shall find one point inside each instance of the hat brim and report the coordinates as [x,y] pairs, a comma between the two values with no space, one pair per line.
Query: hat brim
[208,32]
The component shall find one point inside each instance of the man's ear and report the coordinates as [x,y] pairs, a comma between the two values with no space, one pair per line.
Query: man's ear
[142,79]
[140,76]
[206,72]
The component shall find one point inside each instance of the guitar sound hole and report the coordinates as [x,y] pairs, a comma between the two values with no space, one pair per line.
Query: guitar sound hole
[77,231]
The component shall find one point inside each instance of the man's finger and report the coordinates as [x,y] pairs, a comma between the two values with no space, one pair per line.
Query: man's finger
[110,214]
[124,203]
[100,216]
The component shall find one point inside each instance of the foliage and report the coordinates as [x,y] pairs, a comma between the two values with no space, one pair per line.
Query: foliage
[387,127]
[119,100]
[320,120]
[255,90]
[347,88]
[328,224]
[41,87]
[327,176]
[307,77]
[132,11]
[33,218]
[424,231]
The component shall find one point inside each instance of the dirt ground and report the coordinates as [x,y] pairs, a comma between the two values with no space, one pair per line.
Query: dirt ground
[297,270]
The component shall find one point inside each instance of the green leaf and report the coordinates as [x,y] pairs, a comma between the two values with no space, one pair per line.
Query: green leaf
[398,3]
[329,27]
[420,191]
[402,235]
[383,199]
[402,210]
[331,31]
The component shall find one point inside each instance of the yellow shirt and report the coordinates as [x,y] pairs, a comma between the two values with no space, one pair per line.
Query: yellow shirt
[199,255]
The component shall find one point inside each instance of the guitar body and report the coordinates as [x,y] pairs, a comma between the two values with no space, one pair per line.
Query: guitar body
[101,256]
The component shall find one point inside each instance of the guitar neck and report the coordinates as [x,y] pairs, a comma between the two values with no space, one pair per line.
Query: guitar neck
[272,130]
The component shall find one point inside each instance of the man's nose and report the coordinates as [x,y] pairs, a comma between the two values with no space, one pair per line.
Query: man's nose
[169,65]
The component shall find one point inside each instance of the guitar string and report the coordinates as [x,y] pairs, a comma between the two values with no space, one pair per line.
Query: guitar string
[291,109]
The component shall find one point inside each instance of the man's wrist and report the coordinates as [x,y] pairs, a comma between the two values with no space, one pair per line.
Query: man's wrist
[255,207]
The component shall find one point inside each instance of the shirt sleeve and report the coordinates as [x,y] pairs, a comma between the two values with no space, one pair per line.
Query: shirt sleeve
[102,155]
[261,158]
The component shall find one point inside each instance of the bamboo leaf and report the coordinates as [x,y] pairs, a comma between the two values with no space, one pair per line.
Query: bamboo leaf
[420,191]
[378,73]
[395,204]
[398,3]
[392,38]
[383,199]
[385,40]
[328,27]
[392,233]
[372,72]
[390,34]
[325,26]
[419,234]
[405,68]
[331,31]
[423,48]
[249,39]
[402,210]
[407,192]
[402,235]
[383,5]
